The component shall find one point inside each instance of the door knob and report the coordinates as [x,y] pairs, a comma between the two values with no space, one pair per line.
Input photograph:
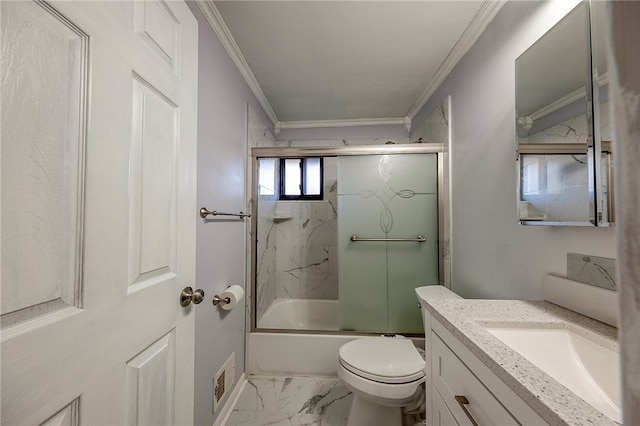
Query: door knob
[188,295]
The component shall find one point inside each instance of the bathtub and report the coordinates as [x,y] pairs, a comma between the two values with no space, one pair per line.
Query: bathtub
[301,314]
[273,353]
[296,354]
[292,354]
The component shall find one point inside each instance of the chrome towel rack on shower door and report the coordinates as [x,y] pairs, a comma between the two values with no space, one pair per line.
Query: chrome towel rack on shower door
[418,239]
[204,213]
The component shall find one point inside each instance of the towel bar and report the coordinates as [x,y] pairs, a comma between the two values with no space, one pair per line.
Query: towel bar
[204,213]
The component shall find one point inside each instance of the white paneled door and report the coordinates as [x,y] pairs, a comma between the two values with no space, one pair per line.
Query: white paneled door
[98,212]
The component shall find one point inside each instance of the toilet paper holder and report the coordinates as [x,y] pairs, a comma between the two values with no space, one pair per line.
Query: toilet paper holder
[220,300]
[229,298]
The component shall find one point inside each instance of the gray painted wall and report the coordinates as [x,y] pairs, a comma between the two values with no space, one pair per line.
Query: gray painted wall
[222,153]
[492,255]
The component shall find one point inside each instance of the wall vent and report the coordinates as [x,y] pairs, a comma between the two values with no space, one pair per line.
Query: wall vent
[223,380]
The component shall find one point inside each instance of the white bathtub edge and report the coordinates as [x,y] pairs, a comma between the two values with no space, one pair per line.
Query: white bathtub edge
[294,354]
[289,354]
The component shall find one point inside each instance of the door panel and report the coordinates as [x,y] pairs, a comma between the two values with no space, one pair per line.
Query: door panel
[153,185]
[150,384]
[98,212]
[156,24]
[42,161]
[68,416]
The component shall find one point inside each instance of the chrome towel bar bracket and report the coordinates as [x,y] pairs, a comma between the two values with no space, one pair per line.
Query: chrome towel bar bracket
[204,213]
[418,239]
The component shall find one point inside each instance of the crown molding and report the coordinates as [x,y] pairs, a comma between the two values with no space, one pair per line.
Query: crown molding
[483,17]
[316,124]
[214,18]
[478,24]
[566,99]
[560,103]
[603,79]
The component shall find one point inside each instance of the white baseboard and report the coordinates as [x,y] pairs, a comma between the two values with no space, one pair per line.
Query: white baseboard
[227,408]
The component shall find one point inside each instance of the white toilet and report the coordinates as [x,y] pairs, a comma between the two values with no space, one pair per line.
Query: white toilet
[384,373]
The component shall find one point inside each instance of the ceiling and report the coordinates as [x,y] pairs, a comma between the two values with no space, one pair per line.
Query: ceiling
[334,63]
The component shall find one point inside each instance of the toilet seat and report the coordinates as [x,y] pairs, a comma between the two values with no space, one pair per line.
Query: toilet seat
[383,359]
[383,379]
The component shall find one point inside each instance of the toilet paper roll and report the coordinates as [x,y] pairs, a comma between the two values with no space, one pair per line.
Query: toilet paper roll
[235,293]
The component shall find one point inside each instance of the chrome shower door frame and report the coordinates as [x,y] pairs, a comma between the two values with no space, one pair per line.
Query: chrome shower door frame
[335,151]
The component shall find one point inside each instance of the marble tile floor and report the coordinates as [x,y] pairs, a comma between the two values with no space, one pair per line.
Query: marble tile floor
[292,401]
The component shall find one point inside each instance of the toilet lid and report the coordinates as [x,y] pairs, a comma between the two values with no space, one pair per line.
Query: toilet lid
[384,359]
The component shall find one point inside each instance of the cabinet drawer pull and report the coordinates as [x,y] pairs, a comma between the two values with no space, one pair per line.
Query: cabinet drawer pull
[462,402]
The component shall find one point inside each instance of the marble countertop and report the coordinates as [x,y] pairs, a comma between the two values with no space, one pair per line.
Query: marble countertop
[557,405]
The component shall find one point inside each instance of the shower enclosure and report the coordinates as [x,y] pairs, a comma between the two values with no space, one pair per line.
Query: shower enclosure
[345,252]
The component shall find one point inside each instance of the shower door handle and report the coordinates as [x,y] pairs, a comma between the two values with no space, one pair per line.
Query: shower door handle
[418,239]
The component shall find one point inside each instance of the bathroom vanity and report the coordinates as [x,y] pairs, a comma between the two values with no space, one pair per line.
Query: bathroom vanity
[476,377]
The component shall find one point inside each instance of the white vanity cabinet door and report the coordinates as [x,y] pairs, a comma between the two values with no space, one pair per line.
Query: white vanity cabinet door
[452,378]
[440,414]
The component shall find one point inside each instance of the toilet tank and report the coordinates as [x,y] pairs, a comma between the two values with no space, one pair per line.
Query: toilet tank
[435,292]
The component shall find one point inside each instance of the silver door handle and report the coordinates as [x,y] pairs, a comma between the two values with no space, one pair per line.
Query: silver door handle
[188,295]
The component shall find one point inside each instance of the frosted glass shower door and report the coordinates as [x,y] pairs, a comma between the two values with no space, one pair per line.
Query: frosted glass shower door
[386,197]
[362,267]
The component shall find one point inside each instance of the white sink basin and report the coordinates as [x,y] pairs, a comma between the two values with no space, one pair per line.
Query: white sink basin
[588,369]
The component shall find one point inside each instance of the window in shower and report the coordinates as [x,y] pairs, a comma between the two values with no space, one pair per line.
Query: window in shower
[301,179]
[267,177]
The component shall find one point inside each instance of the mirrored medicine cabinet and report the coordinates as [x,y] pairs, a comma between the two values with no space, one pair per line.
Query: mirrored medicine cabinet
[564,153]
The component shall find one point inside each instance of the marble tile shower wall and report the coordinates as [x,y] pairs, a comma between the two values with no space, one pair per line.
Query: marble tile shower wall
[435,128]
[266,257]
[560,191]
[574,130]
[593,270]
[307,254]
